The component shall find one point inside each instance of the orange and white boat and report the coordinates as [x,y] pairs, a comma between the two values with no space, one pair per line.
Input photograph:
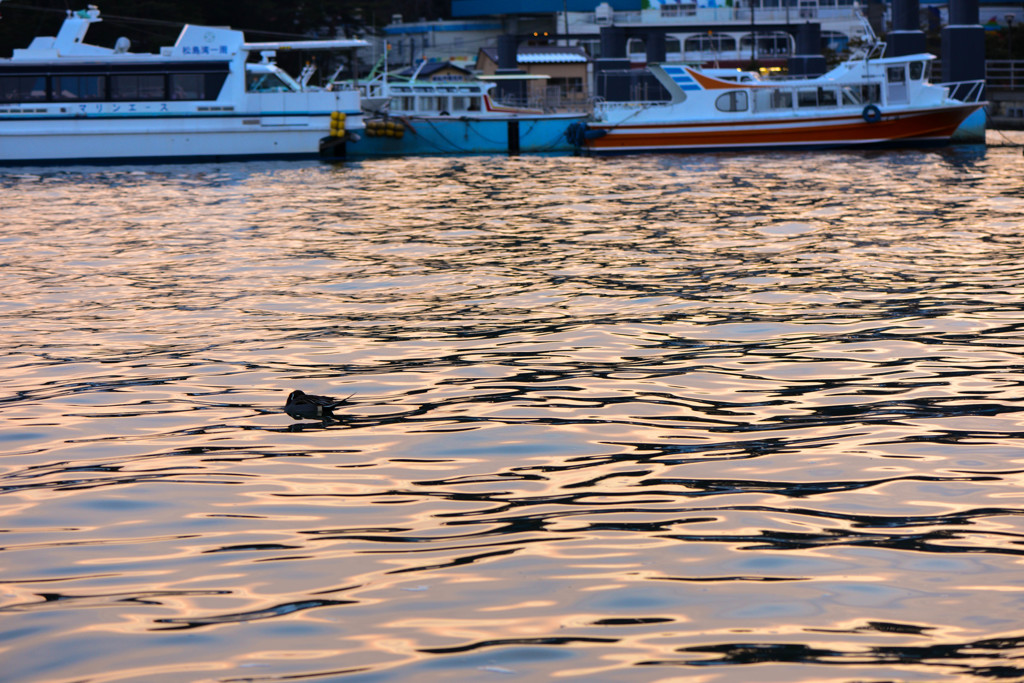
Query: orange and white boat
[865,101]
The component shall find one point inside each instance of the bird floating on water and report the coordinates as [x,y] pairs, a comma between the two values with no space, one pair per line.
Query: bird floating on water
[303,406]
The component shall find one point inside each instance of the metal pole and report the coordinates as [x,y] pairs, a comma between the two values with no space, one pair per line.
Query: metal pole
[753,37]
[565,20]
[1009,46]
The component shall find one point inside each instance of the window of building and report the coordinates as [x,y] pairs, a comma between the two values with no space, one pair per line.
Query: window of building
[715,42]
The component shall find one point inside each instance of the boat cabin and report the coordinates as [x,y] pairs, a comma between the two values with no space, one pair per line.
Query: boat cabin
[451,99]
[886,81]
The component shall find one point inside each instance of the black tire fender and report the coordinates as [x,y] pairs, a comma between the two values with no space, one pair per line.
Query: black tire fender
[872,114]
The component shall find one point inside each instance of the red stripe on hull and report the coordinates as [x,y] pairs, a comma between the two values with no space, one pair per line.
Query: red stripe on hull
[934,124]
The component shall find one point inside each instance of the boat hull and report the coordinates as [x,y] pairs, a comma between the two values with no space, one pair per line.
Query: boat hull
[467,135]
[161,138]
[934,125]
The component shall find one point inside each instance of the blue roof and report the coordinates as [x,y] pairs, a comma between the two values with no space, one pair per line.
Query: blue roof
[439,26]
[479,8]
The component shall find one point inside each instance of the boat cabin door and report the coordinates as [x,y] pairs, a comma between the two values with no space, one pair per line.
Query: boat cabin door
[896,84]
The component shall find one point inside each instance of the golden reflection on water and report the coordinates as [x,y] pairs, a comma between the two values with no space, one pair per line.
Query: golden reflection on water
[651,418]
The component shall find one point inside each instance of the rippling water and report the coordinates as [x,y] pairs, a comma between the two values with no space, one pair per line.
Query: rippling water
[703,418]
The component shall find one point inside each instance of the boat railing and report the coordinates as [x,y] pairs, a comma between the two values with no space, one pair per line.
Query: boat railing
[608,105]
[672,13]
[966,91]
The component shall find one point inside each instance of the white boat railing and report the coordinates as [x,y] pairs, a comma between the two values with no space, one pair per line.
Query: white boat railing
[965,91]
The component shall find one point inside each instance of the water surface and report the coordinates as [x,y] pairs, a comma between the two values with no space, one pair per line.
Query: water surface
[710,417]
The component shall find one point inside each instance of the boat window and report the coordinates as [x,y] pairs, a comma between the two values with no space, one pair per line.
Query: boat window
[257,82]
[430,103]
[86,87]
[851,96]
[896,74]
[871,92]
[137,87]
[782,99]
[188,87]
[407,103]
[807,98]
[22,88]
[827,97]
[916,70]
[734,100]
[460,103]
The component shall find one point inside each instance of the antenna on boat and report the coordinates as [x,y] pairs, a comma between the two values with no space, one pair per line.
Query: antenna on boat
[416,73]
[872,43]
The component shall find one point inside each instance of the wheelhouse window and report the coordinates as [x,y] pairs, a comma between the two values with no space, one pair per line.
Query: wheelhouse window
[22,88]
[75,87]
[265,82]
[734,100]
[871,93]
[918,70]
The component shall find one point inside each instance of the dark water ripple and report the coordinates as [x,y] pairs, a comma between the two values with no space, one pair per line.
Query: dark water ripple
[709,418]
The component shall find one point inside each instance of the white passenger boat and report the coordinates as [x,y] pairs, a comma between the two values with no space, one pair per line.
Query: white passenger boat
[865,101]
[63,100]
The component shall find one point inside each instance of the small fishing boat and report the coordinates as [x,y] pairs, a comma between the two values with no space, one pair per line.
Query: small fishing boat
[414,116]
[63,100]
[865,101]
